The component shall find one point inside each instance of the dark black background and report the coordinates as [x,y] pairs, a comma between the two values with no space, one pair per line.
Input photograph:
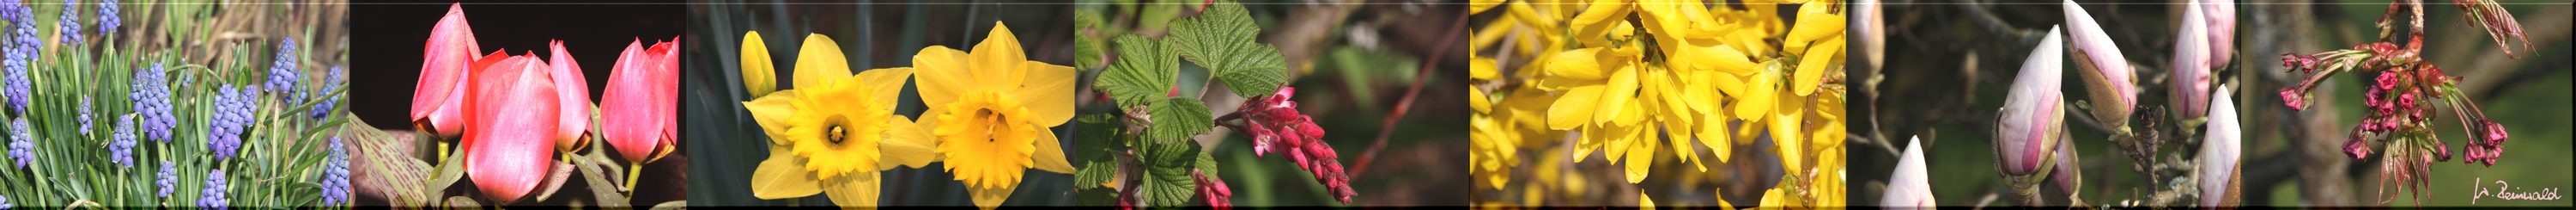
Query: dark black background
[388,37]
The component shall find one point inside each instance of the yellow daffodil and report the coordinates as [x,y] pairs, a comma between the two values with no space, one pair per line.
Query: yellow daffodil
[834,131]
[990,110]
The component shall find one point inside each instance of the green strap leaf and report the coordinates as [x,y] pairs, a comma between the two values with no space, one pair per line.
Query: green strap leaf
[1176,119]
[1223,39]
[1144,71]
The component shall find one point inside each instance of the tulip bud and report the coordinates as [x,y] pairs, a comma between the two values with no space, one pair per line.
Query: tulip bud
[2033,115]
[638,106]
[2219,154]
[514,108]
[2107,77]
[436,101]
[2190,82]
[573,131]
[1909,186]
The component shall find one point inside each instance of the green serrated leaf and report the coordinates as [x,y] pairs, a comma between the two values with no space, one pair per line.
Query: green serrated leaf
[1207,164]
[1087,47]
[1094,133]
[1167,181]
[1176,119]
[1223,39]
[1095,197]
[1262,73]
[1144,71]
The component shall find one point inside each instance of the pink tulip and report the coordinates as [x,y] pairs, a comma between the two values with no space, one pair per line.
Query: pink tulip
[573,92]
[2106,74]
[2033,116]
[1910,186]
[638,110]
[2190,82]
[513,104]
[436,102]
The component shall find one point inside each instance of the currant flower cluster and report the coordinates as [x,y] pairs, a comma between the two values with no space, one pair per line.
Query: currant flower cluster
[2398,96]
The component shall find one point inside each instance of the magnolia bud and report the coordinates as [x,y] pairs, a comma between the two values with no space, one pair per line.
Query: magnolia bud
[2219,154]
[2190,82]
[2033,115]
[2221,16]
[1909,186]
[2107,76]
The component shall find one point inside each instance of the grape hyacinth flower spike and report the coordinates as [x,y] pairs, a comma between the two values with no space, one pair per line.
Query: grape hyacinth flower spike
[336,78]
[84,115]
[281,73]
[2032,121]
[335,179]
[232,117]
[107,17]
[169,178]
[70,22]
[22,144]
[213,195]
[152,108]
[122,150]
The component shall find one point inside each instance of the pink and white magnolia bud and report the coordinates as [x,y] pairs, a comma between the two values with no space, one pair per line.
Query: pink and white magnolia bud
[1909,187]
[2220,155]
[2033,116]
[2221,16]
[2190,82]
[2112,85]
[2068,175]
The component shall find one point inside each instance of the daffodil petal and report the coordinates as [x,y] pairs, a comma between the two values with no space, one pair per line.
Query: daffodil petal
[1048,90]
[998,60]
[820,63]
[941,76]
[857,190]
[1050,154]
[887,84]
[988,198]
[906,144]
[782,176]
[772,112]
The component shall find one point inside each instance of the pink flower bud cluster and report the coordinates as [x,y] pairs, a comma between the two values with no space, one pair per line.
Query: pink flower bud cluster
[1275,126]
[1213,191]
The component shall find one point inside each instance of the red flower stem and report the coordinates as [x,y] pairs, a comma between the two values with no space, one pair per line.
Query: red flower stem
[1387,127]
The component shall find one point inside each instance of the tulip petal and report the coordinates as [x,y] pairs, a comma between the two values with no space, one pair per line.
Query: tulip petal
[635,108]
[450,49]
[758,76]
[511,149]
[573,94]
[782,176]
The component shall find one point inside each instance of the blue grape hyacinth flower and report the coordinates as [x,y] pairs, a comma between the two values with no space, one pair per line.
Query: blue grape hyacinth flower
[107,19]
[84,115]
[122,151]
[151,98]
[232,115]
[169,177]
[281,74]
[334,79]
[22,144]
[70,22]
[213,197]
[335,180]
